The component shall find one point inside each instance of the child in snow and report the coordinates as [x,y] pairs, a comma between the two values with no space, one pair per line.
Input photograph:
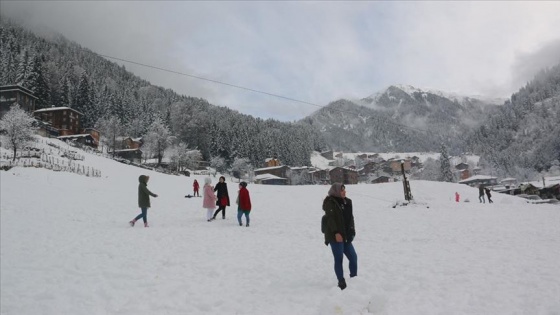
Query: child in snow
[195,188]
[209,199]
[244,203]
[143,199]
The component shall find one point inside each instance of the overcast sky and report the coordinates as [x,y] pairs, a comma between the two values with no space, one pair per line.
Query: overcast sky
[316,52]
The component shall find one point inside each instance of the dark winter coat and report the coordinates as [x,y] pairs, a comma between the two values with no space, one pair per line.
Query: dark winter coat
[144,193]
[340,219]
[221,189]
[488,192]
[481,190]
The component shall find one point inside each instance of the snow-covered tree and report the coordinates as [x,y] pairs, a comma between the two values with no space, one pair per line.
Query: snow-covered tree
[157,139]
[445,167]
[110,128]
[241,167]
[218,163]
[17,127]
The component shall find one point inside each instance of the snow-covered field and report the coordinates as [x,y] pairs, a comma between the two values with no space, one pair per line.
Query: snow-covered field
[66,248]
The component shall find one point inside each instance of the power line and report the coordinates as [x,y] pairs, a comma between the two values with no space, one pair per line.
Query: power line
[243,88]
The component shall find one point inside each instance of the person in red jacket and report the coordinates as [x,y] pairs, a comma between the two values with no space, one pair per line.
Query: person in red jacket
[244,203]
[195,188]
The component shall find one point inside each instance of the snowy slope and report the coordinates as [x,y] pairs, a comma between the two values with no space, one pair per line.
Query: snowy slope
[66,248]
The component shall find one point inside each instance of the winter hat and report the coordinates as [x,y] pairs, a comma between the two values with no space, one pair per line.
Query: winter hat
[208,180]
[243,184]
[335,190]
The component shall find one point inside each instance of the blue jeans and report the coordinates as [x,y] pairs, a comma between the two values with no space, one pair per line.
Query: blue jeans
[339,249]
[240,213]
[481,198]
[143,215]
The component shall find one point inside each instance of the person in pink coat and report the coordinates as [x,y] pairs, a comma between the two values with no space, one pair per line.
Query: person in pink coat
[209,199]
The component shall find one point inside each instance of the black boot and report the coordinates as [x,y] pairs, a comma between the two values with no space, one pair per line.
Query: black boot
[342,284]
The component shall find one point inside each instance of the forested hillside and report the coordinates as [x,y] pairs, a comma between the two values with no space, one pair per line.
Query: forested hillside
[62,73]
[524,136]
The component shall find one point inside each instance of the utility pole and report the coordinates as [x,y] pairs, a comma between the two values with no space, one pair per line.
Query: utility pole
[406,184]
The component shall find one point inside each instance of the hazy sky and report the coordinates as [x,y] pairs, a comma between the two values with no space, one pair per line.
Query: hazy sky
[312,51]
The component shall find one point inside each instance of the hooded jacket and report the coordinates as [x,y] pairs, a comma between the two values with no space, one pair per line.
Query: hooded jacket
[143,192]
[340,218]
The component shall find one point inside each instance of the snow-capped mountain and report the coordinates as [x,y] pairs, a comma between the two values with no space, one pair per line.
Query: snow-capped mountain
[401,117]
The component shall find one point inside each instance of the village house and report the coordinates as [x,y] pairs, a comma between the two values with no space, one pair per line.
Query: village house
[270,162]
[65,119]
[269,179]
[476,180]
[283,172]
[343,175]
[381,179]
[16,94]
[319,176]
[83,139]
[132,143]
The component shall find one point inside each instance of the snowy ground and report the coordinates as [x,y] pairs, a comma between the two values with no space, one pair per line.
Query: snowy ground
[66,248]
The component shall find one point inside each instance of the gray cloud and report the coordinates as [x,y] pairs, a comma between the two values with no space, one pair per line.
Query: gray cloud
[311,51]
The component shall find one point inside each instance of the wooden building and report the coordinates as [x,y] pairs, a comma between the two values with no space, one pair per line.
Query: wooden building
[319,176]
[16,94]
[83,139]
[271,162]
[279,171]
[132,143]
[65,119]
[343,175]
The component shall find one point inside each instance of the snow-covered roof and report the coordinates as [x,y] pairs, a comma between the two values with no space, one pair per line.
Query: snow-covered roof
[75,136]
[509,179]
[267,176]
[52,109]
[269,168]
[477,178]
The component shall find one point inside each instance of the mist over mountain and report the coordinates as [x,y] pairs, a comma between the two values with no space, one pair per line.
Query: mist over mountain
[516,137]
[401,118]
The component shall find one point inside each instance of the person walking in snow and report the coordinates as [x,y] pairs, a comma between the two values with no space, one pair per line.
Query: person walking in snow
[339,231]
[488,194]
[223,197]
[143,200]
[195,189]
[244,204]
[209,199]
[481,193]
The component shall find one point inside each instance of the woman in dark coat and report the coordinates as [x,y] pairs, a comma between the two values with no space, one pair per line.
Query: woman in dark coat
[339,231]
[223,197]
[143,200]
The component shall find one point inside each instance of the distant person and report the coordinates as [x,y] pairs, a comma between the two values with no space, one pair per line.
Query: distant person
[481,193]
[339,231]
[244,204]
[488,194]
[223,197]
[143,199]
[457,197]
[195,189]
[209,199]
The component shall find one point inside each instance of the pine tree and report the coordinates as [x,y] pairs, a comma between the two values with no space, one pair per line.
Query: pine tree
[445,168]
